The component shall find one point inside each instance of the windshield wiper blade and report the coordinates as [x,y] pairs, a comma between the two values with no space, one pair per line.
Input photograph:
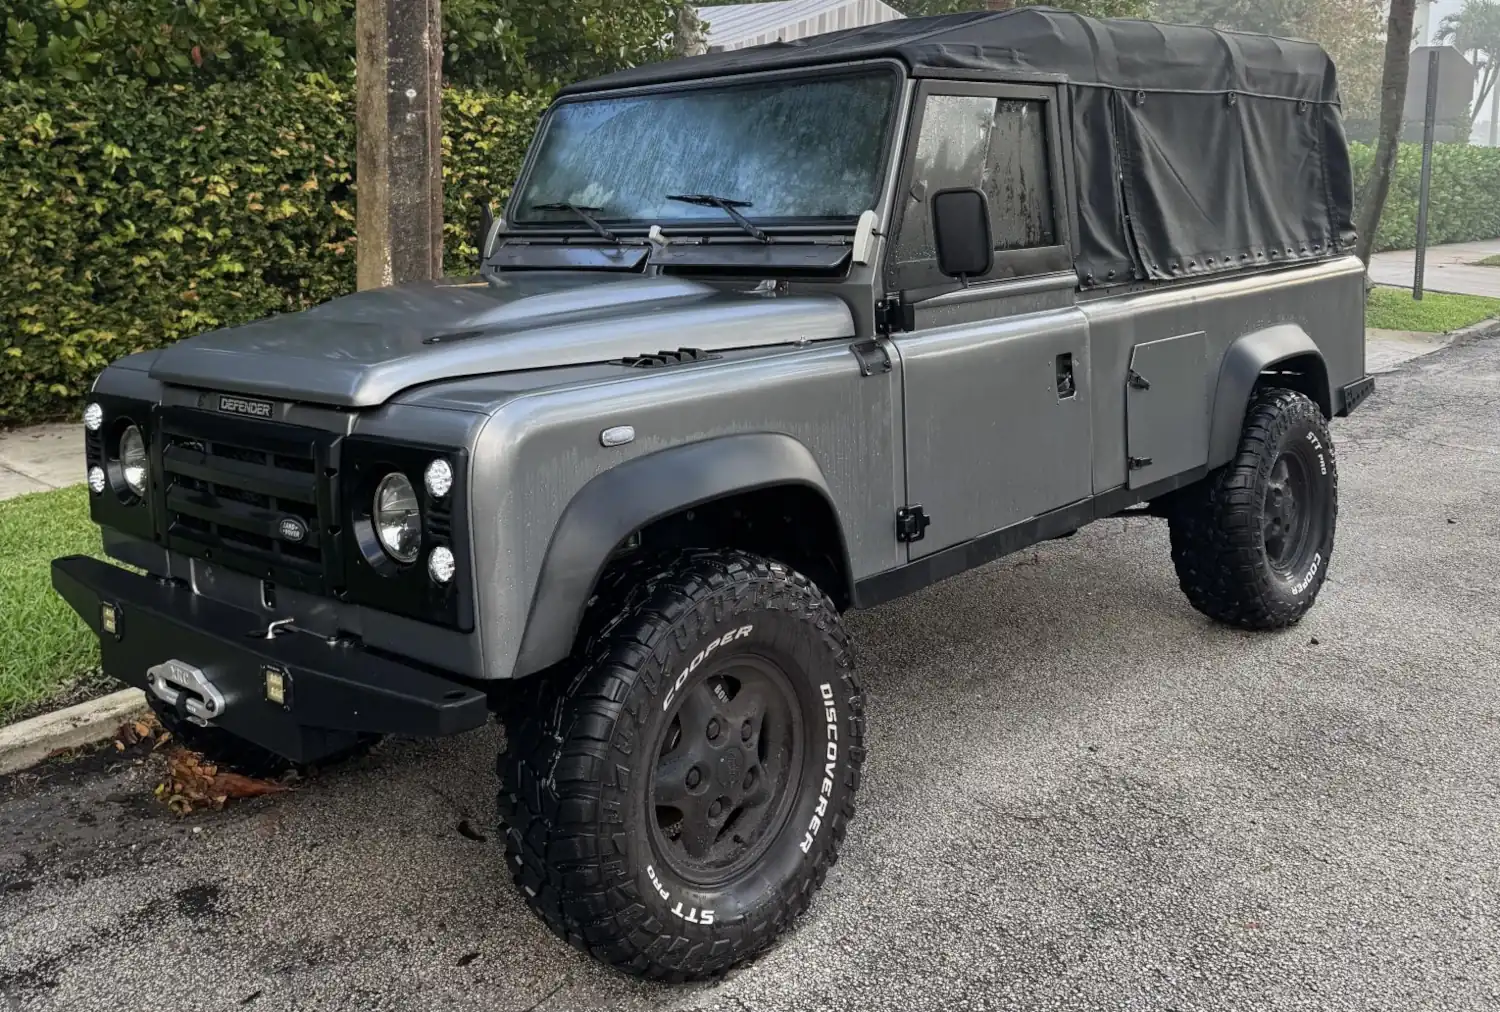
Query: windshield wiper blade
[582,213]
[728,206]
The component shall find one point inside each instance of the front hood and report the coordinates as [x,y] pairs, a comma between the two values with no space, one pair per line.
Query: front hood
[360,350]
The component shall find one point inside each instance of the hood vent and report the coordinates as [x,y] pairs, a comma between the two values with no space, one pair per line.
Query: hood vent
[682,356]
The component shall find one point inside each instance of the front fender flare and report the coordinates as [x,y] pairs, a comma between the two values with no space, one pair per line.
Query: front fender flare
[1242,366]
[620,501]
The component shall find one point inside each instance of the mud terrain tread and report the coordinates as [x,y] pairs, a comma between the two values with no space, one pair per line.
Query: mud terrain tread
[554,771]
[1215,525]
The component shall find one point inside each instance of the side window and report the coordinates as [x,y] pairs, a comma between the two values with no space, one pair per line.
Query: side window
[998,145]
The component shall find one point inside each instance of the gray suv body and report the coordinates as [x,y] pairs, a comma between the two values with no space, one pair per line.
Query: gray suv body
[763,336]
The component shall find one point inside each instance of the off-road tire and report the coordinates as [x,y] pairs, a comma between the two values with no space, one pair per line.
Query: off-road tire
[578,798]
[1219,526]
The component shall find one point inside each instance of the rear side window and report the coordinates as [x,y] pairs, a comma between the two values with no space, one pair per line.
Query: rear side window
[996,144]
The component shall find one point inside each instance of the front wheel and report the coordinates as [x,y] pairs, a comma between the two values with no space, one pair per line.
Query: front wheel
[1251,542]
[672,802]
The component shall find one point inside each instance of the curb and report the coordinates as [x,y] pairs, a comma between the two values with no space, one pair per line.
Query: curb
[1482,328]
[31,741]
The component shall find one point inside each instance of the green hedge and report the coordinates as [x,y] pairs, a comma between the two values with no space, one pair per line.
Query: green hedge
[1465,202]
[132,216]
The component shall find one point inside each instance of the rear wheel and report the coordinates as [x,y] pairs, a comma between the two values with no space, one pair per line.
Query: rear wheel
[674,798]
[1251,542]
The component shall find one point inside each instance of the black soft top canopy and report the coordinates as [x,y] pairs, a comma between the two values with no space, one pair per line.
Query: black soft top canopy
[1196,150]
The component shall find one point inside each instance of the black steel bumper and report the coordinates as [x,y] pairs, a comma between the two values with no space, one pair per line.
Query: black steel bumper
[330,694]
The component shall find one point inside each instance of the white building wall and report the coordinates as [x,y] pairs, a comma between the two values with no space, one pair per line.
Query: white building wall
[737,26]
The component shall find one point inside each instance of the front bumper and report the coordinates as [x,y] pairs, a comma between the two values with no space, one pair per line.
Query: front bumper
[330,693]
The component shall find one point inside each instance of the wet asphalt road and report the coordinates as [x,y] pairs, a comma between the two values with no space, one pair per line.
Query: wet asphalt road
[1080,795]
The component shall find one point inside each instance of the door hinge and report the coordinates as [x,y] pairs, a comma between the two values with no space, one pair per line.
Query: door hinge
[1138,381]
[872,356]
[911,523]
[1136,463]
[891,315]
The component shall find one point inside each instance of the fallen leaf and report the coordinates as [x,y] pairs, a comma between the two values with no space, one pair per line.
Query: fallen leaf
[233,785]
[191,780]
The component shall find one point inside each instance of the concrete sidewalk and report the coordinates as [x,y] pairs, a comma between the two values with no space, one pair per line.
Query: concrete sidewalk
[1450,268]
[41,457]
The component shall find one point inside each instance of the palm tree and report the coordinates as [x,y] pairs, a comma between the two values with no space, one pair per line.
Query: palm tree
[1392,98]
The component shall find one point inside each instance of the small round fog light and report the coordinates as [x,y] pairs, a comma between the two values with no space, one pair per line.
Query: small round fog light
[439,478]
[440,565]
[96,480]
[93,417]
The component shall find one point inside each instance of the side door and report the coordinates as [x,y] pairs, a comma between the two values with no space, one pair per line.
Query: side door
[996,370]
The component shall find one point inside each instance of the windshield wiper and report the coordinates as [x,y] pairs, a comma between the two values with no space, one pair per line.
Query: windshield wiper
[728,206]
[582,214]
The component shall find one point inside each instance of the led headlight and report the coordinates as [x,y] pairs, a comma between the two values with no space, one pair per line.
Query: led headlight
[93,417]
[440,565]
[133,460]
[96,479]
[439,478]
[398,518]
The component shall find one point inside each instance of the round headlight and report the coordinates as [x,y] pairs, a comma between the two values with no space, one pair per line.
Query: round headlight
[133,459]
[440,565]
[93,417]
[96,479]
[439,478]
[398,518]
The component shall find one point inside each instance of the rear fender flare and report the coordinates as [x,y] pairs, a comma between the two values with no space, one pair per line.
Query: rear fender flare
[1243,363]
[620,501]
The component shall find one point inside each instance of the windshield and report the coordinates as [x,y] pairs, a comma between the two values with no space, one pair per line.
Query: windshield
[808,148]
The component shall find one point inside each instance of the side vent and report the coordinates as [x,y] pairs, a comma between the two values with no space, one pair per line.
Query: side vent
[682,356]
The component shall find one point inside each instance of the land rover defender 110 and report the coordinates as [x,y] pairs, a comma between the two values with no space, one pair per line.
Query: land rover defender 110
[761,337]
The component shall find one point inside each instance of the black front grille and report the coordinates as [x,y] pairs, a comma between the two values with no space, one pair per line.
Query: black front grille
[254,496]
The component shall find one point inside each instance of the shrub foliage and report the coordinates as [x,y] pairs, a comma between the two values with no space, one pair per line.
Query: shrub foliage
[501,44]
[133,215]
[1464,205]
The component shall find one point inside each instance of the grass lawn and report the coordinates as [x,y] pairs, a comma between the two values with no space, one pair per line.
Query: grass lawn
[1437,313]
[45,650]
[1493,261]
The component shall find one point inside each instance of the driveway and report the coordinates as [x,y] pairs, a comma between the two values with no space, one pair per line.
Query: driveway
[1079,795]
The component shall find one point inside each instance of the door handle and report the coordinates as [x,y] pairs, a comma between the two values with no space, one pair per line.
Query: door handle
[1066,385]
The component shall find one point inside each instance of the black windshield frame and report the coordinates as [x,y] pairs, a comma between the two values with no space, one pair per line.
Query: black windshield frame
[516,214]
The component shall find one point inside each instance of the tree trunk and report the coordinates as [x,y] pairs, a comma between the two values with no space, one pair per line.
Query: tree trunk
[398,141]
[1392,99]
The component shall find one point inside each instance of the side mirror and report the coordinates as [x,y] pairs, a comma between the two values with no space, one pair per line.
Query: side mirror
[489,230]
[961,233]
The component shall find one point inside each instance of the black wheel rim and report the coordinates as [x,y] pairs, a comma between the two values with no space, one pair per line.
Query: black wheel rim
[1288,515]
[726,771]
